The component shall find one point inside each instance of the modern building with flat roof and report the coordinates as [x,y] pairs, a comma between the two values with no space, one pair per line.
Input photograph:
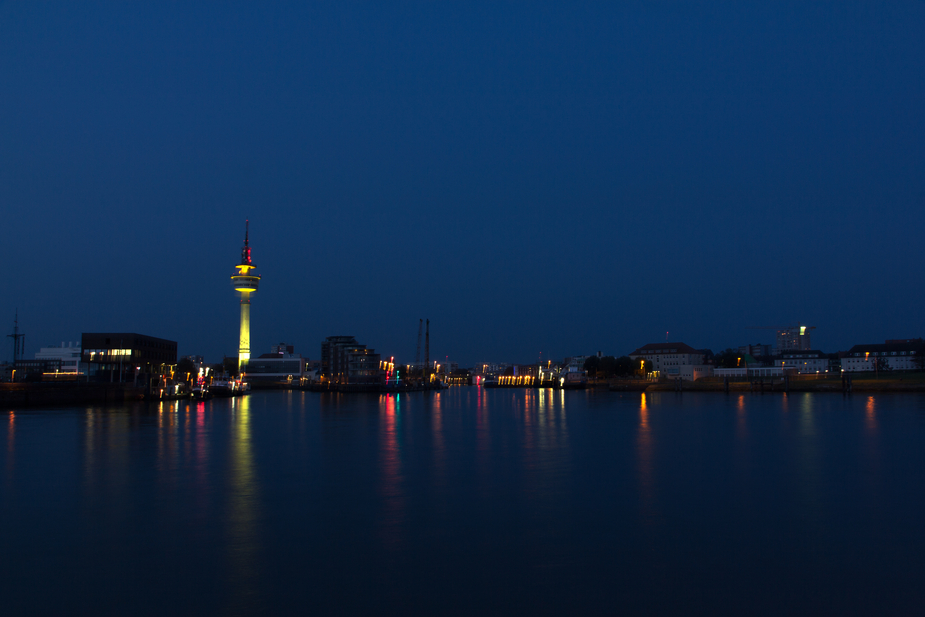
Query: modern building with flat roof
[280,365]
[68,355]
[805,361]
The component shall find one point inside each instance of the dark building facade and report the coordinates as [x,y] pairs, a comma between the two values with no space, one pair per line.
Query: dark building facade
[35,370]
[345,361]
[121,356]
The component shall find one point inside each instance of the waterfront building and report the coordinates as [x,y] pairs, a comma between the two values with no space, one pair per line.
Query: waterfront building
[753,371]
[488,368]
[526,370]
[446,367]
[673,360]
[804,361]
[894,355]
[693,372]
[69,356]
[279,366]
[345,361]
[459,377]
[121,356]
[282,348]
[756,351]
[38,370]
[245,283]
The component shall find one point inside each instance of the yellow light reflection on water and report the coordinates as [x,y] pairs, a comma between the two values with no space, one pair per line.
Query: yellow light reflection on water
[873,478]
[645,461]
[243,508]
[870,414]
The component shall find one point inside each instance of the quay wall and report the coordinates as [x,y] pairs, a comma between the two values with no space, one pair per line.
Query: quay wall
[22,395]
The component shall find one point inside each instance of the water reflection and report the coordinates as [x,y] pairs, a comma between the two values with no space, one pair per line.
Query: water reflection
[10,446]
[800,513]
[200,456]
[741,426]
[439,446]
[168,456]
[870,416]
[871,449]
[390,463]
[645,455]
[108,452]
[243,509]
[809,461]
[483,441]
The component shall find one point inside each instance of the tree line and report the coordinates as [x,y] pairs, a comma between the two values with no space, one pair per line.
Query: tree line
[606,367]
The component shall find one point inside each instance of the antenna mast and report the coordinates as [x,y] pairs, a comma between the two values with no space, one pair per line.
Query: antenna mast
[19,340]
[427,351]
[417,354]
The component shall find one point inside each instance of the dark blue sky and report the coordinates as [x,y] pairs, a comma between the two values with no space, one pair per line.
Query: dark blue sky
[535,176]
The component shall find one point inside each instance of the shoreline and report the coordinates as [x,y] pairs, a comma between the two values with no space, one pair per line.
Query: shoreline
[827,385]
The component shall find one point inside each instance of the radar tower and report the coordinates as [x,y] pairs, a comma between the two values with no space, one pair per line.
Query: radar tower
[245,283]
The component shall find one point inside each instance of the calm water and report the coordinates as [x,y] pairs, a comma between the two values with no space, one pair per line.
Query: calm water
[467,502]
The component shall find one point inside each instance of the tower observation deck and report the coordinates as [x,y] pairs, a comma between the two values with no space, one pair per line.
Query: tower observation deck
[245,283]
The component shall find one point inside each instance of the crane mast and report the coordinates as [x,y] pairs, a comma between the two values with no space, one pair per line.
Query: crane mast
[417,354]
[19,340]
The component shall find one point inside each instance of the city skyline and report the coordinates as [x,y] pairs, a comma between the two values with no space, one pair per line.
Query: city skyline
[531,179]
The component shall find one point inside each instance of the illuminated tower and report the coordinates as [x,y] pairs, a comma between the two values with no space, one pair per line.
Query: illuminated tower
[245,283]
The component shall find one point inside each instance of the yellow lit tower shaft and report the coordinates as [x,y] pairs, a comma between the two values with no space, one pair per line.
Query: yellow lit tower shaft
[245,284]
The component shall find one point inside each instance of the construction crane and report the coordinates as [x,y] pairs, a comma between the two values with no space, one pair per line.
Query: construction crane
[802,328]
[427,351]
[417,354]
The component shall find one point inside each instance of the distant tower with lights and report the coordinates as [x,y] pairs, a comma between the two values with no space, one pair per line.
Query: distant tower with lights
[245,284]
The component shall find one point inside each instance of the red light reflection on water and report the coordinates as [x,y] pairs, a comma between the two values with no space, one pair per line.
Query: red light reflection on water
[201,450]
[392,479]
[10,443]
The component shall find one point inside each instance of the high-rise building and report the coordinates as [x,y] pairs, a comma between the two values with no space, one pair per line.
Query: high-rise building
[245,283]
[794,338]
[344,361]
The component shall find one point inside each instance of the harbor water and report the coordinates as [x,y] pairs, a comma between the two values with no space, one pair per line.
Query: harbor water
[467,501]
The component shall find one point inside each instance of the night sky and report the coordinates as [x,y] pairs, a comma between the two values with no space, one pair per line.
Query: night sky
[555,177]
